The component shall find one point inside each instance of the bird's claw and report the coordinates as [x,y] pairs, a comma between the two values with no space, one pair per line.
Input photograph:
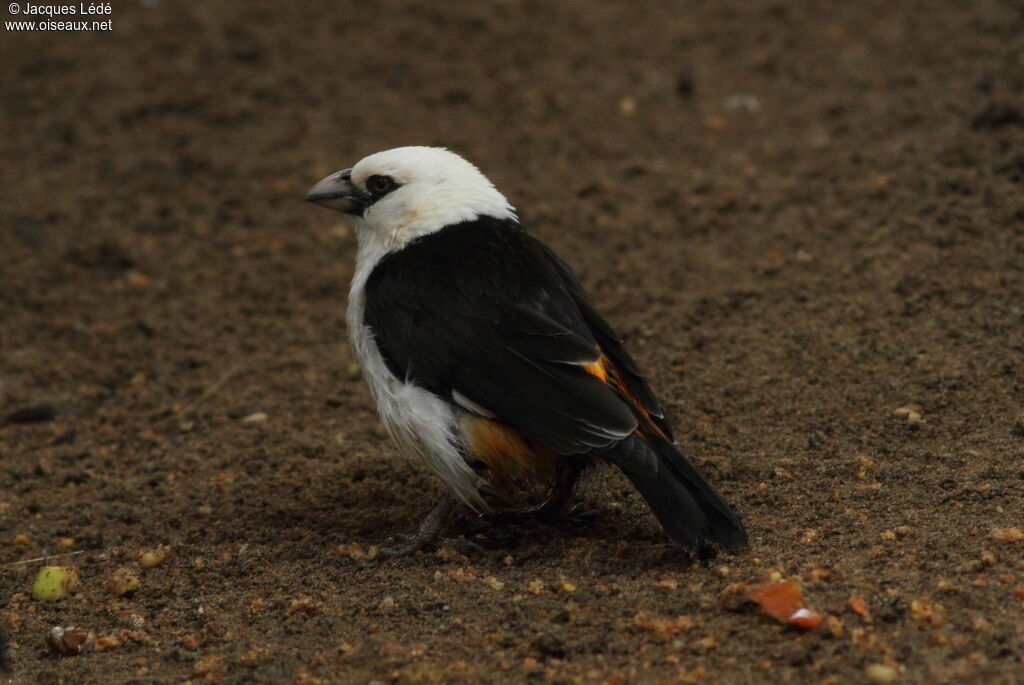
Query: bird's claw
[414,544]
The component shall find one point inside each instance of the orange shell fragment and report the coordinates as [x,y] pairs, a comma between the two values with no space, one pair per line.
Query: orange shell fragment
[782,601]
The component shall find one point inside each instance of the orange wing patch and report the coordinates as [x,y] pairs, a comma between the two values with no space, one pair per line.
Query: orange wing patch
[604,370]
[597,370]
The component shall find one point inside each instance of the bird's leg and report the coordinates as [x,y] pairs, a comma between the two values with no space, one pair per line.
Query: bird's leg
[560,494]
[555,503]
[429,531]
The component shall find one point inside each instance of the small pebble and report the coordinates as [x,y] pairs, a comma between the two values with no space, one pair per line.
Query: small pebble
[880,673]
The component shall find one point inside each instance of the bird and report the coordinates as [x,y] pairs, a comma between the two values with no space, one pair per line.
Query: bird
[488,361]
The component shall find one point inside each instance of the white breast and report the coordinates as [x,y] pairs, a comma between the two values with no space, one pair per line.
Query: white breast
[423,424]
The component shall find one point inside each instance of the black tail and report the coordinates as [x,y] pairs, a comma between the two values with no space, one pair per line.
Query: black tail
[689,509]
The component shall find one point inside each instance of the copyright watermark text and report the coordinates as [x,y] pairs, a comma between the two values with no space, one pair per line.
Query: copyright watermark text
[82,16]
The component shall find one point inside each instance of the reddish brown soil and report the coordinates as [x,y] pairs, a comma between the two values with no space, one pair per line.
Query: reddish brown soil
[790,271]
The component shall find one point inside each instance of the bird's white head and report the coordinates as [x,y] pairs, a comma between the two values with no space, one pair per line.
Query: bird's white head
[399,195]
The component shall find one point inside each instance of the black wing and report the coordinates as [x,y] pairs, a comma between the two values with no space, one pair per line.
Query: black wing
[487,311]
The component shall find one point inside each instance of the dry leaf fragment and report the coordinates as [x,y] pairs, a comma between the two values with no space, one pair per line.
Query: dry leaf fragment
[782,601]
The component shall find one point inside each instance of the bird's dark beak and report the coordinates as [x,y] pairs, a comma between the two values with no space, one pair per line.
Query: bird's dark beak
[339,193]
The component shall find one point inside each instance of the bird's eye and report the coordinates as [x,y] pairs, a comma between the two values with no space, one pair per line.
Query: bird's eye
[378,185]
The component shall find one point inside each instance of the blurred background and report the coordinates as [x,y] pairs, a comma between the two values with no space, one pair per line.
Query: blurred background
[805,217]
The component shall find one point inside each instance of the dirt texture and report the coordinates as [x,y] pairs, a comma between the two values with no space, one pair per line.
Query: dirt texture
[806,218]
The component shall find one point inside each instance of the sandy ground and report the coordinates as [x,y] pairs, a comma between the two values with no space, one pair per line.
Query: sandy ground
[805,217]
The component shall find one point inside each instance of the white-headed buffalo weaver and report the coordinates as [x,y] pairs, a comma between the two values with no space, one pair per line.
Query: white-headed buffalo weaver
[487,360]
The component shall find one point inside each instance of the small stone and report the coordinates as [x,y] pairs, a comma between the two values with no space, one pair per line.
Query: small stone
[256,417]
[742,102]
[880,673]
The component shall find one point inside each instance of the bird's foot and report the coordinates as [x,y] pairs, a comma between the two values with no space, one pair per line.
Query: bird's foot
[428,533]
[554,505]
[582,518]
[412,545]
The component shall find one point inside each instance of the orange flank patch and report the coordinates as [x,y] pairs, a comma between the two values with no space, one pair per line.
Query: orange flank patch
[509,455]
